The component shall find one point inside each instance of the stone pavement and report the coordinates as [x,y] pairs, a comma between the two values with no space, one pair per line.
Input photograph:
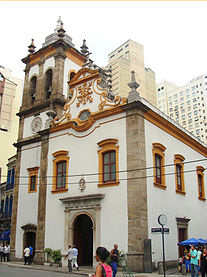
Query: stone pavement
[86,270]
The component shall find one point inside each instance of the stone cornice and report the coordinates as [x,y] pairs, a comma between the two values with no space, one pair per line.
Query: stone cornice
[27,141]
[42,106]
[73,199]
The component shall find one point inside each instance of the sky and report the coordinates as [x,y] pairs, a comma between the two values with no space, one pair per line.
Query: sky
[173,33]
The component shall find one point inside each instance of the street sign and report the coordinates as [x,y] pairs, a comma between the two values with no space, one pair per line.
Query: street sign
[159,230]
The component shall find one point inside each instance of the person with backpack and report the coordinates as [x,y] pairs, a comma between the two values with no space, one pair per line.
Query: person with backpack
[102,269]
[114,259]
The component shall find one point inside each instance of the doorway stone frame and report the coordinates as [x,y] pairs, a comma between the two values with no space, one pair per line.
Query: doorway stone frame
[89,205]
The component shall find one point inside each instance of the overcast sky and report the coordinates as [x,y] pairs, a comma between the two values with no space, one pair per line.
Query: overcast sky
[174,34]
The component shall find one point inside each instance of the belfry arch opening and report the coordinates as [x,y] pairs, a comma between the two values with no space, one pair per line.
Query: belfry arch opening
[83,239]
[48,83]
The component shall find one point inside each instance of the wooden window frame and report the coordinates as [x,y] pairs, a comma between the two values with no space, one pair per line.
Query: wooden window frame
[178,161]
[105,146]
[200,172]
[33,171]
[60,156]
[158,150]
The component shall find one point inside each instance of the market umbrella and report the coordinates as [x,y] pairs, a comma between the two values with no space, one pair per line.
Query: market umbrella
[202,241]
[191,241]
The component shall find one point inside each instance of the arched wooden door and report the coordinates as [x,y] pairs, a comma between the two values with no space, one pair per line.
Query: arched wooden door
[83,239]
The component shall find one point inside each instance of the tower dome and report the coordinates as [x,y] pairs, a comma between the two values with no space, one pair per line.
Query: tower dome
[54,36]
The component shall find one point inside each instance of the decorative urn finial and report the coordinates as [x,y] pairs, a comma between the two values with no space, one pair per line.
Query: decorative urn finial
[61,31]
[31,47]
[84,48]
[133,94]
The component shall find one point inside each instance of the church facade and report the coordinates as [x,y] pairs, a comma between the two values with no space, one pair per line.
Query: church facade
[97,169]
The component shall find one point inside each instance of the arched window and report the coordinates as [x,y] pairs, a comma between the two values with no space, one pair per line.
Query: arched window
[108,159]
[60,171]
[33,85]
[48,83]
[158,152]
[71,74]
[179,174]
[10,206]
[200,177]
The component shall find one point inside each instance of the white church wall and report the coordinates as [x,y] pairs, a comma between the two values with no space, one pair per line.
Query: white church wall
[27,132]
[34,70]
[28,202]
[48,64]
[84,159]
[69,65]
[168,201]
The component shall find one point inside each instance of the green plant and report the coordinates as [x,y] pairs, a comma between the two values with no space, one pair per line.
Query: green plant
[48,251]
[56,256]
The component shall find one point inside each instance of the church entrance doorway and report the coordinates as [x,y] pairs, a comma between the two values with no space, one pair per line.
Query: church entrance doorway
[30,238]
[83,239]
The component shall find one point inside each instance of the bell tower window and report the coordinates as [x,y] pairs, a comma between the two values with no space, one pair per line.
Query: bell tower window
[48,83]
[33,85]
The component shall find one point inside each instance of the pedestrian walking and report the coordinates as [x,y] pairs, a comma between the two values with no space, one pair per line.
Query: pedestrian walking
[193,261]
[26,255]
[70,258]
[203,263]
[114,259]
[6,252]
[102,269]
[1,251]
[75,258]
[31,254]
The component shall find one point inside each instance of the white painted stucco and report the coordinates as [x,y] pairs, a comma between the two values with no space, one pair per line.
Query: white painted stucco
[27,132]
[34,70]
[83,160]
[28,202]
[69,65]
[49,63]
[168,201]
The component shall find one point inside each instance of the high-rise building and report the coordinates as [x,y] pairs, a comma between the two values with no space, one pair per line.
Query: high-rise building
[187,105]
[126,58]
[10,98]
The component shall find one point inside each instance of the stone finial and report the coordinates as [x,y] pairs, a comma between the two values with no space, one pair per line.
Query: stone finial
[61,31]
[133,94]
[31,47]
[84,48]
[59,21]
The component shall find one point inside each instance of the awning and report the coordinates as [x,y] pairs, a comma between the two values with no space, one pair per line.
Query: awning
[5,235]
[192,241]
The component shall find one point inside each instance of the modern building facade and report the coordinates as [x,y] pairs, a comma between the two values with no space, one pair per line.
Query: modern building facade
[10,101]
[90,172]
[126,58]
[186,105]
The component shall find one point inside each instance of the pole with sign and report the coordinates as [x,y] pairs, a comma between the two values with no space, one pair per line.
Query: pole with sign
[162,220]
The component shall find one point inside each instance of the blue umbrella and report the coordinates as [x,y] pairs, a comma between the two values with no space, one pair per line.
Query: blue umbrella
[202,241]
[191,241]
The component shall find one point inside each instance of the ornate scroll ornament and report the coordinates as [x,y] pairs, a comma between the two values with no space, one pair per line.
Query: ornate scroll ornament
[82,184]
[85,88]
[84,94]
[104,99]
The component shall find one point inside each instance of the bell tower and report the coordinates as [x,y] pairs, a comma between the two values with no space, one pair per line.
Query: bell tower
[45,93]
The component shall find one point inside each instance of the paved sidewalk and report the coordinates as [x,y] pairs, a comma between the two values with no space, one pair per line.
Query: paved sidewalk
[85,270]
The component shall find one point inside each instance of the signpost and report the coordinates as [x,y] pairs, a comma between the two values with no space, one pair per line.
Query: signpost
[159,230]
[162,220]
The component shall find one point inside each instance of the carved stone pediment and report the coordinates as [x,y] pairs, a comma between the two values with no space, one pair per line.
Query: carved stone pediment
[83,202]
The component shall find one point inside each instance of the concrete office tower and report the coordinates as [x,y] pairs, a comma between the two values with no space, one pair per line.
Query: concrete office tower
[127,57]
[10,98]
[186,105]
